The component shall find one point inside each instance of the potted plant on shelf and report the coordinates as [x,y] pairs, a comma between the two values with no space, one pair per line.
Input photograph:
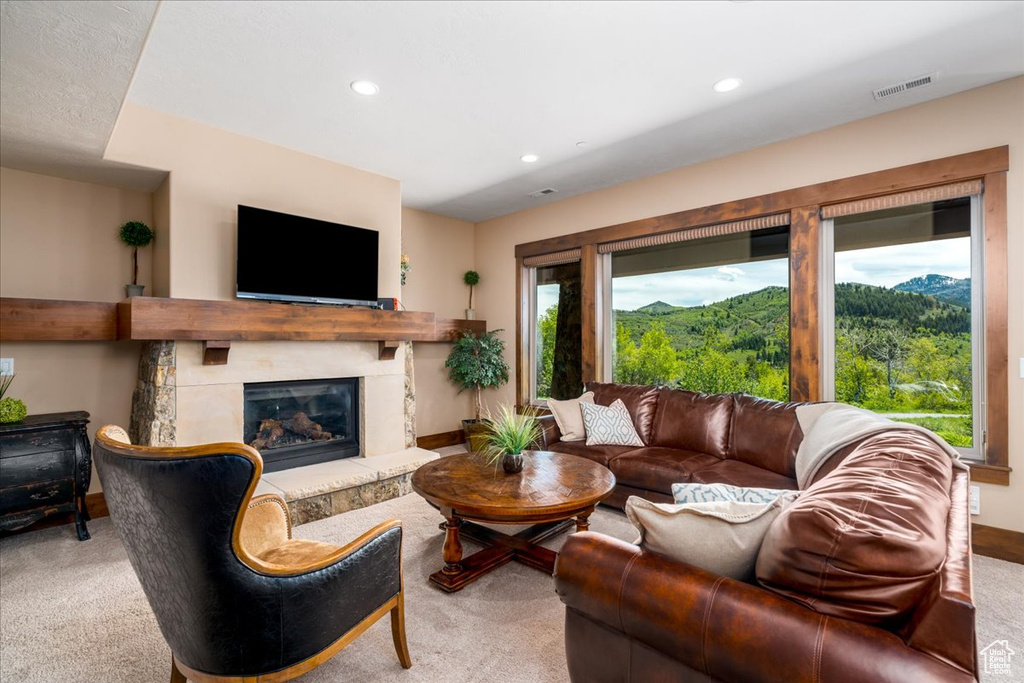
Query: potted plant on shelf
[135,234]
[508,434]
[476,362]
[11,409]
[471,278]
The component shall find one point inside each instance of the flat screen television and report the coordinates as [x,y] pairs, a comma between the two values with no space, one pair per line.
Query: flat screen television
[290,258]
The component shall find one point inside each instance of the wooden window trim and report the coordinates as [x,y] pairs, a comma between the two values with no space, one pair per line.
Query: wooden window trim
[936,172]
[989,165]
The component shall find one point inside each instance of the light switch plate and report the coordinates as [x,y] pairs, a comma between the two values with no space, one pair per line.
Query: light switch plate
[975,500]
[6,366]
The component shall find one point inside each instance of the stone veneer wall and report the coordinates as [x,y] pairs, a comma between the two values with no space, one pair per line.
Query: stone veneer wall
[153,420]
[410,397]
[154,401]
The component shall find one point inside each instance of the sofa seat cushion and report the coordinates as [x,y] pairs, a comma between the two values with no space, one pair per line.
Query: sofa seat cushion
[867,541]
[765,433]
[656,469]
[298,553]
[641,402]
[602,455]
[693,422]
[739,473]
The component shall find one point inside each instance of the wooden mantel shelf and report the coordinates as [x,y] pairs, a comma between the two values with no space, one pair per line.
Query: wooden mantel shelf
[219,322]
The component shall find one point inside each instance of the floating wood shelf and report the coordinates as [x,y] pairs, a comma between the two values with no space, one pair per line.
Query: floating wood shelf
[218,323]
[56,320]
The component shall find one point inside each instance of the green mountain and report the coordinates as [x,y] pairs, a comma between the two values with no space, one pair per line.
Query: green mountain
[759,321]
[950,289]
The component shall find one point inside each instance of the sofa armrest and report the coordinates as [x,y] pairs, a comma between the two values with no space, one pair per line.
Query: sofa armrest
[726,629]
[549,432]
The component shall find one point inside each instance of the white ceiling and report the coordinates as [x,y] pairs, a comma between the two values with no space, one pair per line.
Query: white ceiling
[468,87]
[64,71]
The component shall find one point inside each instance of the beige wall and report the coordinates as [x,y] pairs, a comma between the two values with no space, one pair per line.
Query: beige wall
[58,240]
[213,171]
[440,250]
[977,119]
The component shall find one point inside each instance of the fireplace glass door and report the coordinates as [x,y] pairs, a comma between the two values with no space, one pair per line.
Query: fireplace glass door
[302,423]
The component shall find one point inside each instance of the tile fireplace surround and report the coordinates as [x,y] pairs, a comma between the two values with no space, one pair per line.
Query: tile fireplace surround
[180,401]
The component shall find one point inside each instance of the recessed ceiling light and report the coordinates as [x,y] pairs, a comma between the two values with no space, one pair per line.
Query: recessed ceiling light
[365,87]
[581,143]
[727,84]
[529,158]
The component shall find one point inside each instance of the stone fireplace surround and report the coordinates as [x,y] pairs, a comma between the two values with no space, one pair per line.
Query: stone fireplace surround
[180,401]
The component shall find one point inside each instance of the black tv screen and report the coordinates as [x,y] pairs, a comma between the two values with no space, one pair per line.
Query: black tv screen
[290,258]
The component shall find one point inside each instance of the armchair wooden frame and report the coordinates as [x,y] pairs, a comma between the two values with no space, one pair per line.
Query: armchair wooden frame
[116,440]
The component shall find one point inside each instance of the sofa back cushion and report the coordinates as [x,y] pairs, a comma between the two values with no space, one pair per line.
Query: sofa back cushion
[866,541]
[693,422]
[765,433]
[640,401]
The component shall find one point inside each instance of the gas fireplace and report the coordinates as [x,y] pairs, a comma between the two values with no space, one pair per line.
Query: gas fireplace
[302,422]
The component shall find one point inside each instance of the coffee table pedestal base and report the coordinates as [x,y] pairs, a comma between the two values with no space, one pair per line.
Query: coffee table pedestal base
[499,549]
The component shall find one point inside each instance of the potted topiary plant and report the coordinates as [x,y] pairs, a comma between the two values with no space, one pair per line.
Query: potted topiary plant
[135,234]
[472,279]
[476,362]
[508,434]
[11,409]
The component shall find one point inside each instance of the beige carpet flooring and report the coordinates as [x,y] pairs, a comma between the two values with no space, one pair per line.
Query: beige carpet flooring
[73,611]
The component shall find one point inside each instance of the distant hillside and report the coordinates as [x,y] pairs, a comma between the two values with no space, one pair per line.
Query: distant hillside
[759,321]
[657,308]
[951,289]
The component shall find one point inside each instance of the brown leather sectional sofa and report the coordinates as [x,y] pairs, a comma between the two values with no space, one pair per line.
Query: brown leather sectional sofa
[865,578]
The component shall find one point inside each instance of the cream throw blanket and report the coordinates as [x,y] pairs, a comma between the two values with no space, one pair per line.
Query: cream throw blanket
[829,427]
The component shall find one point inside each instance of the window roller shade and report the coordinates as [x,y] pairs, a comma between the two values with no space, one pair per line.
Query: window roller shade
[892,201]
[746,225]
[553,259]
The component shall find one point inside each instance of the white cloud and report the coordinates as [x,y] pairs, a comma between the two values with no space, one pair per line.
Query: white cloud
[731,273]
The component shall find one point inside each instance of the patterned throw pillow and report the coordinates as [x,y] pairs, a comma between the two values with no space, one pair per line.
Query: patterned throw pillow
[711,493]
[609,425]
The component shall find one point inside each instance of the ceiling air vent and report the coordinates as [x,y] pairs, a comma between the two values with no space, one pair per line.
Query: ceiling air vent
[909,84]
[543,193]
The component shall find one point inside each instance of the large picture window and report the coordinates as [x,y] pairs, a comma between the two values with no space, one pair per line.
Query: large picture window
[709,315]
[902,316]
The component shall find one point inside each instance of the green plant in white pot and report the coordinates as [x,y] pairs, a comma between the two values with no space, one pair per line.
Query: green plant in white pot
[508,434]
[472,279]
[135,234]
[476,362]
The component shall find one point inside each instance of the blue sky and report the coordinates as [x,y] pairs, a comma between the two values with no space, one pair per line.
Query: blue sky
[881,266]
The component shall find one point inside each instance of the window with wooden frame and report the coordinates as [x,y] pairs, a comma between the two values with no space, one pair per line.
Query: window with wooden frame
[809,325]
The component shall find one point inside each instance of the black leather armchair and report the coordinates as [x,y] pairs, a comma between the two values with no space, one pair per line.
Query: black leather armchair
[234,595]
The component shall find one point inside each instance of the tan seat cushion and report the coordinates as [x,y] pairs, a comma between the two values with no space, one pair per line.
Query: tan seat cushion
[298,552]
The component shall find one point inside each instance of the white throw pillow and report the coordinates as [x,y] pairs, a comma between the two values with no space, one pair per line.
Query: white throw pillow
[709,493]
[609,425]
[722,537]
[569,417]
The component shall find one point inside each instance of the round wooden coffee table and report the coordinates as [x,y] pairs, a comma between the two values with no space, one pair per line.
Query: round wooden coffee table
[553,492]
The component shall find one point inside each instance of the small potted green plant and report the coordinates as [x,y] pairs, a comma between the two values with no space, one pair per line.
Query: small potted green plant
[11,409]
[508,434]
[476,362]
[135,234]
[472,279]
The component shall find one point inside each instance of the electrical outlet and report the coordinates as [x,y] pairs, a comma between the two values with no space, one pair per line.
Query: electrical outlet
[6,366]
[975,500]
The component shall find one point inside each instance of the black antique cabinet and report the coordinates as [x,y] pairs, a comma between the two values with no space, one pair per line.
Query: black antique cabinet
[45,468]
